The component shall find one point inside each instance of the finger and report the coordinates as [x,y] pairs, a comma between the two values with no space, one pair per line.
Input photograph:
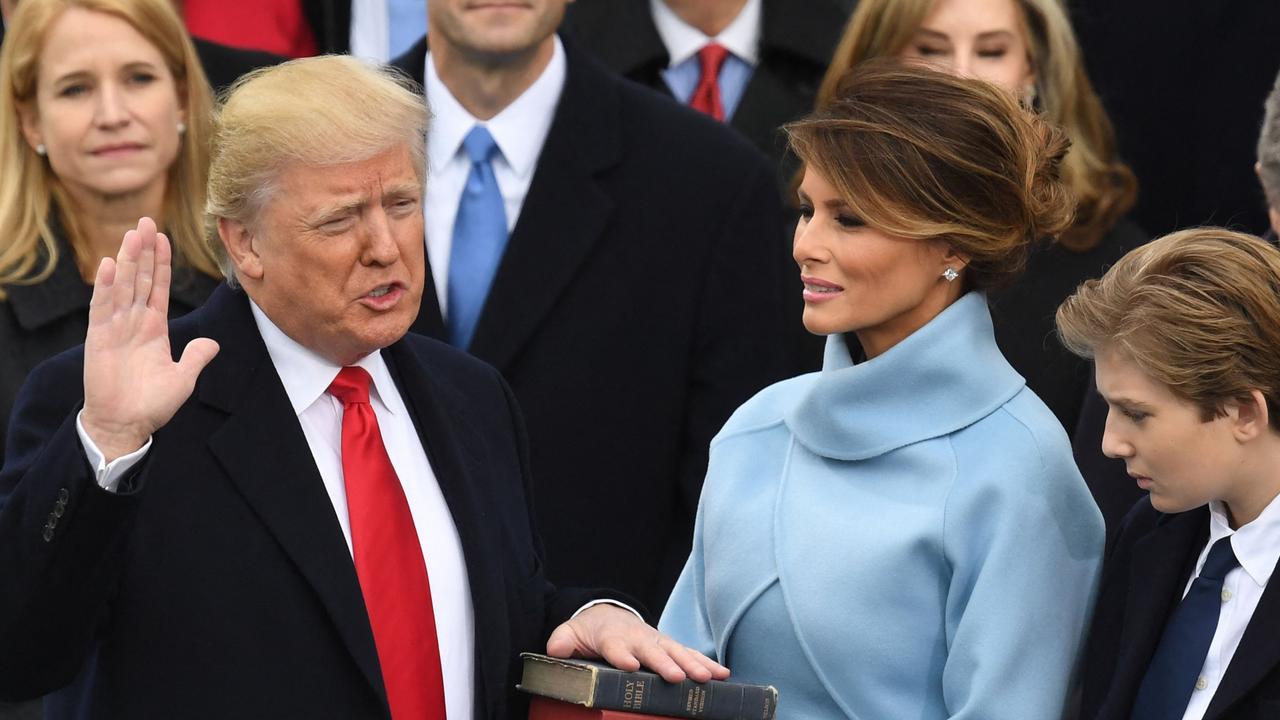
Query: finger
[159,300]
[718,671]
[146,271]
[656,657]
[126,270]
[624,657]
[697,666]
[100,303]
[195,357]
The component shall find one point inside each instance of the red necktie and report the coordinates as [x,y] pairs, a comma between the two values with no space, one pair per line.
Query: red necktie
[706,97]
[388,557]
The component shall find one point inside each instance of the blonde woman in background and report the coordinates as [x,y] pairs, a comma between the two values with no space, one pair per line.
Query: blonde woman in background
[106,114]
[1029,48]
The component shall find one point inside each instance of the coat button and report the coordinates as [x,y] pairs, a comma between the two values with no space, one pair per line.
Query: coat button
[59,510]
[51,523]
[47,535]
[63,495]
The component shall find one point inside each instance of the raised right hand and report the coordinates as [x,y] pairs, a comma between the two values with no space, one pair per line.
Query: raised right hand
[132,386]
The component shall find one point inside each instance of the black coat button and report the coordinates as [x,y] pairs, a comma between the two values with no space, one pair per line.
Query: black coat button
[47,535]
[63,495]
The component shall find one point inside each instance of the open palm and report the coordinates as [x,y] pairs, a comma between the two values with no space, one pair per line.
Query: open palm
[132,386]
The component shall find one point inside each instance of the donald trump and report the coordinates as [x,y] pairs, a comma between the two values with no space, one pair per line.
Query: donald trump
[308,513]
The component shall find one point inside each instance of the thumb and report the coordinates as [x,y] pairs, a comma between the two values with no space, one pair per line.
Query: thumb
[563,641]
[195,356]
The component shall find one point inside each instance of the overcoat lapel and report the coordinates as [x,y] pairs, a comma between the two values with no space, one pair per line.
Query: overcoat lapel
[782,87]
[451,446]
[266,456]
[563,217]
[1158,571]
[1255,658]
[628,41]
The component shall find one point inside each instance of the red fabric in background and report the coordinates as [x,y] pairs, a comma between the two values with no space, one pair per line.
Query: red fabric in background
[276,26]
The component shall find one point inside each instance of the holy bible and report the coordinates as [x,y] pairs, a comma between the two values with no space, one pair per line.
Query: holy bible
[597,685]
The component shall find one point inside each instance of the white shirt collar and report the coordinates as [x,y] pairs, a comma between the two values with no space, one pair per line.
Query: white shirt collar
[1256,544]
[683,41]
[519,130]
[306,375]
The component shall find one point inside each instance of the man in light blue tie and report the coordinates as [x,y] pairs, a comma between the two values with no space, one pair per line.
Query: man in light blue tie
[618,257]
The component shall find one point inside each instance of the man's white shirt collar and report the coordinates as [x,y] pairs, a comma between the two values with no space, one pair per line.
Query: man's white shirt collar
[306,375]
[519,130]
[1256,545]
[741,37]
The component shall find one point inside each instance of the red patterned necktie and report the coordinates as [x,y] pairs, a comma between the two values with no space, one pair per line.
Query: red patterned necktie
[388,557]
[706,97]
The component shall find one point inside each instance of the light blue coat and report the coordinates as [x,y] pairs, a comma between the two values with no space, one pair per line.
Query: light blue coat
[903,539]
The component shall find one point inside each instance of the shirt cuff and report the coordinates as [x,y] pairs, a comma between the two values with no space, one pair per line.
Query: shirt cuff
[622,605]
[108,474]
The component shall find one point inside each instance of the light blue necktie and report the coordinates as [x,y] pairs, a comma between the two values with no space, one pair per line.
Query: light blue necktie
[479,237]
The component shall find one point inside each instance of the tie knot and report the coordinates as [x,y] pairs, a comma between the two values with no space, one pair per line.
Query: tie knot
[1221,560]
[479,144]
[711,57]
[351,386]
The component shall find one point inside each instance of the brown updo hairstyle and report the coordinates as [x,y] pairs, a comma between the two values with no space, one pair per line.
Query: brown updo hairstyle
[922,154]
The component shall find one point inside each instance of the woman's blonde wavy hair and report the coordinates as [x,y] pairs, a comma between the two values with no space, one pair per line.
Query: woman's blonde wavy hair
[28,187]
[1105,188]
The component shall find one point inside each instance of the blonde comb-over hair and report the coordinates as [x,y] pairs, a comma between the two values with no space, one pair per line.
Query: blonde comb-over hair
[317,111]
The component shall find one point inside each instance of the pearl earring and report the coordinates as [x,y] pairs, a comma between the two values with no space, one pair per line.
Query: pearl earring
[950,274]
[182,128]
[41,150]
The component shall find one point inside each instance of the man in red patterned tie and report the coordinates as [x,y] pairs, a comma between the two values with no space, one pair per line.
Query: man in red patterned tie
[308,513]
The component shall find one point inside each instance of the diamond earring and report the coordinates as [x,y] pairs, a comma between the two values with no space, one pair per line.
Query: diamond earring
[950,274]
[41,150]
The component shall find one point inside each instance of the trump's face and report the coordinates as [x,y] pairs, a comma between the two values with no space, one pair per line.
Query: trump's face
[336,257]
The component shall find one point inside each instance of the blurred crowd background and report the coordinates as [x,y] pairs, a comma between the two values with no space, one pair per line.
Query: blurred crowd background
[643,286]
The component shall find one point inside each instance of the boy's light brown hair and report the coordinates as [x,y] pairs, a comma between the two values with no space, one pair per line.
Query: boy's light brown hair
[1197,310]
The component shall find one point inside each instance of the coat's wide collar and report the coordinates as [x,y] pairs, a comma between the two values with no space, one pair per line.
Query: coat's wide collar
[952,365]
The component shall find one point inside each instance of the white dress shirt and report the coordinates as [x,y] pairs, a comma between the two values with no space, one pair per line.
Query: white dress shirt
[520,131]
[1257,547]
[741,37]
[306,377]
